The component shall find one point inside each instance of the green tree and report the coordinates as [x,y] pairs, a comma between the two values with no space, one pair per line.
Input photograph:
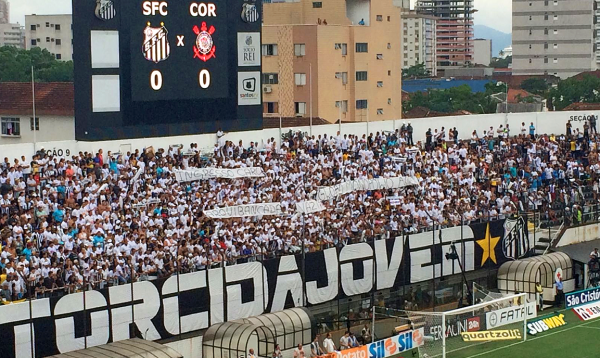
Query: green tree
[501,62]
[16,66]
[537,86]
[452,100]
[416,71]
[573,90]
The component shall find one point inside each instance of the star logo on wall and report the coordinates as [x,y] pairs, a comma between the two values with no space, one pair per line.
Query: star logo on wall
[488,244]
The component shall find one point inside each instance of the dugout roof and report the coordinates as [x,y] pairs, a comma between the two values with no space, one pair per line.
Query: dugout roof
[521,275]
[233,339]
[129,348]
[581,251]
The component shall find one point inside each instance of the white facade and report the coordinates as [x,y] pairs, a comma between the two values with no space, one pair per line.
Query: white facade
[483,52]
[51,32]
[12,35]
[506,52]
[554,37]
[16,129]
[60,128]
[419,41]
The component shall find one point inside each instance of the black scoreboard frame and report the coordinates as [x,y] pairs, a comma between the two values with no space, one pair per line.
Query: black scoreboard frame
[140,119]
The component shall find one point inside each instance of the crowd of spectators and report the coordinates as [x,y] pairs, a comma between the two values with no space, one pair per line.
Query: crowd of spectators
[97,219]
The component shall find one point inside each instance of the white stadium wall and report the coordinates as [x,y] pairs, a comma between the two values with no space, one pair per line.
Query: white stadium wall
[545,122]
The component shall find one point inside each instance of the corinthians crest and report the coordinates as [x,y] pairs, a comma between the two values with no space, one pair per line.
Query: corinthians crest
[515,243]
[249,11]
[204,48]
[156,46]
[105,9]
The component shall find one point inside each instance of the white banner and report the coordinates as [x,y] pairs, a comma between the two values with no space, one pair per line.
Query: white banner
[330,192]
[241,211]
[309,207]
[508,315]
[209,173]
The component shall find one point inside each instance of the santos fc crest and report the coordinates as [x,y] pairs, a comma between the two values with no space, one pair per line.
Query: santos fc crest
[249,11]
[156,46]
[105,10]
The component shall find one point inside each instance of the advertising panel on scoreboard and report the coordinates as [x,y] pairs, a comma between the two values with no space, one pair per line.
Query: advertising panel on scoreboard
[179,50]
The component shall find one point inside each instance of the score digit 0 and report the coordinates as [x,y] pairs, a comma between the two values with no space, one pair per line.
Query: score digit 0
[204,78]
[156,80]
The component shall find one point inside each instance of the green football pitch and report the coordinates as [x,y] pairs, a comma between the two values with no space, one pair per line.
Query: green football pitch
[576,339]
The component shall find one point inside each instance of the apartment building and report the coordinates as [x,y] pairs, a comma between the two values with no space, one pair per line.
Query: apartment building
[454,31]
[4,12]
[554,37]
[335,59]
[482,52]
[12,35]
[419,40]
[51,32]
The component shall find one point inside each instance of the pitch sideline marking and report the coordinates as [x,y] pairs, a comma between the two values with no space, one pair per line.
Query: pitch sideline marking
[534,338]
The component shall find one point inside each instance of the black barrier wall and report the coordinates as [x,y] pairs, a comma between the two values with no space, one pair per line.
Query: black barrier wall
[191,302]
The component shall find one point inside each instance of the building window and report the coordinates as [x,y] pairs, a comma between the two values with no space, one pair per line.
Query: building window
[545,31]
[300,79]
[389,46]
[555,60]
[389,101]
[405,48]
[555,46]
[405,63]
[270,78]
[269,50]
[33,27]
[47,39]
[545,3]
[379,18]
[47,24]
[379,84]
[530,32]
[545,16]
[530,18]
[271,107]
[343,76]
[361,75]
[379,111]
[317,4]
[555,3]
[556,32]
[362,47]
[529,60]
[33,42]
[299,49]
[389,18]
[11,126]
[58,56]
[57,27]
[555,17]
[389,72]
[59,42]
[37,123]
[380,56]
[343,104]
[343,47]
[361,104]
[405,33]
[530,46]
[546,60]
[300,108]
[545,45]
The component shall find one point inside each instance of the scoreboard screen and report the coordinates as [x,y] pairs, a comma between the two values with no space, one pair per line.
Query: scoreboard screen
[148,68]
[180,50]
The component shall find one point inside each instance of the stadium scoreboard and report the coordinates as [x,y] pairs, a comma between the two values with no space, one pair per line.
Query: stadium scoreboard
[157,68]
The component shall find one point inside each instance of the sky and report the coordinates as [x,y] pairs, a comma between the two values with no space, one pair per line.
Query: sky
[492,13]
